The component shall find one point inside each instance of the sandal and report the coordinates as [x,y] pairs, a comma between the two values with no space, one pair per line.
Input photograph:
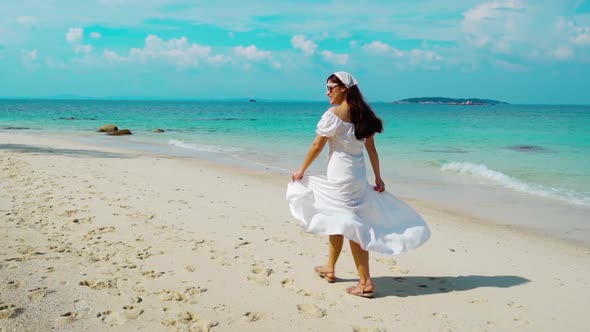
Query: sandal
[328,276]
[359,290]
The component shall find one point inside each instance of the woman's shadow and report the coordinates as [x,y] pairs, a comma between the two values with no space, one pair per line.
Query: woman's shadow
[416,285]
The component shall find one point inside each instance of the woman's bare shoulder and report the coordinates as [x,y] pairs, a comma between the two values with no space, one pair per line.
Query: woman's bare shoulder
[341,112]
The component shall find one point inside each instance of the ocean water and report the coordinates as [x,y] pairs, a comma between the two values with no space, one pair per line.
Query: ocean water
[523,151]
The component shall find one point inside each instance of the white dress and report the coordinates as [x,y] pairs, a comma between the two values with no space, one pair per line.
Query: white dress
[343,202]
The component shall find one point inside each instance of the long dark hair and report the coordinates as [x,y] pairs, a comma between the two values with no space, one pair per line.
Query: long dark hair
[366,123]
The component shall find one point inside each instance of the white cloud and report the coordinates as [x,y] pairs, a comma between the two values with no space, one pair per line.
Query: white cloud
[252,53]
[112,56]
[176,51]
[83,49]
[539,30]
[509,66]
[563,53]
[95,35]
[579,35]
[339,59]
[27,21]
[75,35]
[417,56]
[307,46]
[494,24]
[53,64]
[381,48]
[218,59]
[413,57]
[343,35]
[29,59]
[30,55]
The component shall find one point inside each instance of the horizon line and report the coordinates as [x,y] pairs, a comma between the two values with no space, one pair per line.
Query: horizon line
[81,98]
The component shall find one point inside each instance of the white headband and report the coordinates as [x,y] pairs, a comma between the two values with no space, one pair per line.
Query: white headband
[346,78]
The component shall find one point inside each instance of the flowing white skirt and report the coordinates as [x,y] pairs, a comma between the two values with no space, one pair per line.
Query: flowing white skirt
[344,203]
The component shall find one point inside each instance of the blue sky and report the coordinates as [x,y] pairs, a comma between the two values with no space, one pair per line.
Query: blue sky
[513,50]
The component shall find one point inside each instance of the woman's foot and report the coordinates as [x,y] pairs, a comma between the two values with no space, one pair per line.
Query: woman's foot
[326,273]
[366,290]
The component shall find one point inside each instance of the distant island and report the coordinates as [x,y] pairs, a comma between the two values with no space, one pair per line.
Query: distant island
[449,101]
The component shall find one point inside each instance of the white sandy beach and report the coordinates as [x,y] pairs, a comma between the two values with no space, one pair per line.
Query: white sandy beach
[95,239]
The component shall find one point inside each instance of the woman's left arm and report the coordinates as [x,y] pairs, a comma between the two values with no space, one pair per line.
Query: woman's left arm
[374,158]
[314,150]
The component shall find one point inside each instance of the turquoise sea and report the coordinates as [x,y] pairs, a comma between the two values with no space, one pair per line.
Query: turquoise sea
[532,151]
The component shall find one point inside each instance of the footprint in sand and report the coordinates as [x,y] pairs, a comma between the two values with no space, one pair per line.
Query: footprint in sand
[514,305]
[303,292]
[139,288]
[70,213]
[10,285]
[58,249]
[366,329]
[25,250]
[7,311]
[132,312]
[219,307]
[387,261]
[67,318]
[241,243]
[400,270]
[198,244]
[289,282]
[82,306]
[110,318]
[83,220]
[190,268]
[439,315]
[189,295]
[262,271]
[98,285]
[258,280]
[101,230]
[152,274]
[251,316]
[128,265]
[311,310]
[521,321]
[144,254]
[192,293]
[192,322]
[36,294]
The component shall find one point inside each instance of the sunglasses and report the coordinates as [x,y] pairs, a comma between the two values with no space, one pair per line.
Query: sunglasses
[330,86]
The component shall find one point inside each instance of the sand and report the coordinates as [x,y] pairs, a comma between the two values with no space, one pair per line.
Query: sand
[95,238]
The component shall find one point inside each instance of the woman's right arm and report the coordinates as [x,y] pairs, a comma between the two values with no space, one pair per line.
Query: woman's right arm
[314,150]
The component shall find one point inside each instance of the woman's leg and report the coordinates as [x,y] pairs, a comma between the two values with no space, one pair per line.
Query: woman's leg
[336,242]
[335,247]
[361,259]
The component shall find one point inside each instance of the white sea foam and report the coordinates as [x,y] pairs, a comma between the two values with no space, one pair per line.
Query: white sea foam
[483,172]
[203,147]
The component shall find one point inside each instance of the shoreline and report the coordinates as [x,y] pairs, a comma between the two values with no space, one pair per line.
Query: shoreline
[101,238]
[418,191]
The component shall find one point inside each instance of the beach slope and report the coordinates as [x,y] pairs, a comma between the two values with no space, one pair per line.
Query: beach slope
[94,238]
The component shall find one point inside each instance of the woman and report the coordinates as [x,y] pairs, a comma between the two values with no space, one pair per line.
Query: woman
[343,204]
